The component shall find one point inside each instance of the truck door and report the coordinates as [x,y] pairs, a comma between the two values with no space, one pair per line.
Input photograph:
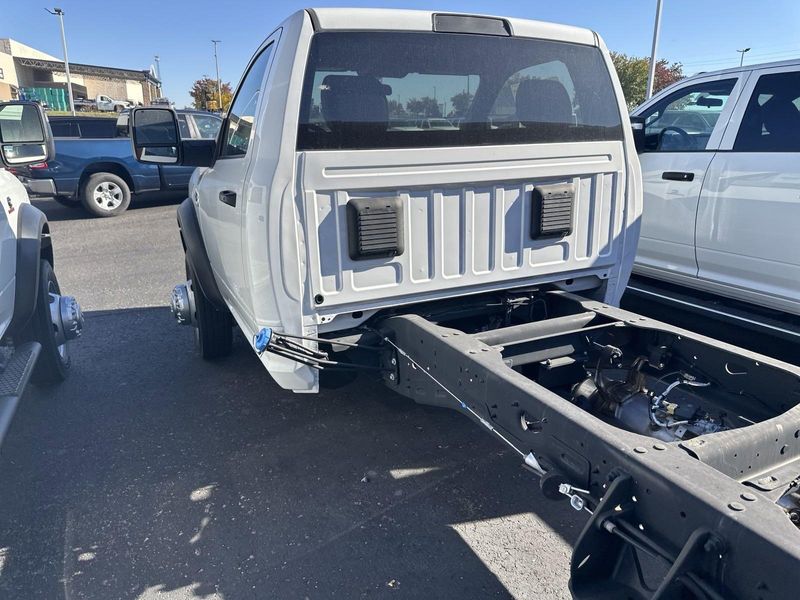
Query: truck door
[223,189]
[11,197]
[682,131]
[750,204]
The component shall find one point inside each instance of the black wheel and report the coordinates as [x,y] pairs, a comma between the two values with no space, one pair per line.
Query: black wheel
[69,201]
[214,330]
[105,195]
[54,361]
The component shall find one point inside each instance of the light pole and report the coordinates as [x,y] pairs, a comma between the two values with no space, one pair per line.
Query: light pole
[216,64]
[742,52]
[158,74]
[651,75]
[60,14]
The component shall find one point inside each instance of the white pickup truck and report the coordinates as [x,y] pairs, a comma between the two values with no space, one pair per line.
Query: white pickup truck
[448,262]
[37,322]
[721,169]
[103,103]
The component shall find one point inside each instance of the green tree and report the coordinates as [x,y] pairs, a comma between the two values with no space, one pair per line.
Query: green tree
[632,72]
[460,104]
[205,95]
[424,107]
[396,109]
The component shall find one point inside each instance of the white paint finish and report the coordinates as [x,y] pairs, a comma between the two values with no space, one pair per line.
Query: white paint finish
[747,234]
[460,231]
[419,209]
[12,195]
[739,226]
[422,20]
[670,207]
[295,199]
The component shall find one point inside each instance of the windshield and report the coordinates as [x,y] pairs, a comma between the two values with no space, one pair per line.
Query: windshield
[366,90]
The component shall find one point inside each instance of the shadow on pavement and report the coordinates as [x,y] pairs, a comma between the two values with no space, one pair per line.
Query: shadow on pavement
[150,473]
[56,211]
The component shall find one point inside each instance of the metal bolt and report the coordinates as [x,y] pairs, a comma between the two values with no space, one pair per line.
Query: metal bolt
[714,545]
[659,446]
[737,506]
[394,361]
[748,496]
[391,376]
[640,450]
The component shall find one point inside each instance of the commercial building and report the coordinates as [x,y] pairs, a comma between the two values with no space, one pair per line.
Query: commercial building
[24,69]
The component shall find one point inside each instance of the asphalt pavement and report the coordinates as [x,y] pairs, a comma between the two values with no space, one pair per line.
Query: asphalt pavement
[153,474]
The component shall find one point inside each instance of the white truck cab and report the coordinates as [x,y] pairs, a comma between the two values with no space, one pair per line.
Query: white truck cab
[37,322]
[721,169]
[317,212]
[478,267]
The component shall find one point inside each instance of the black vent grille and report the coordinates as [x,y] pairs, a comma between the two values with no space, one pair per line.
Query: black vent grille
[552,211]
[375,228]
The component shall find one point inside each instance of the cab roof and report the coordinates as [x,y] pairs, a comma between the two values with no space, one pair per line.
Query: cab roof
[382,19]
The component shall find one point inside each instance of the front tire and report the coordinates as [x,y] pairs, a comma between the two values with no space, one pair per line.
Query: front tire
[54,360]
[214,329]
[105,195]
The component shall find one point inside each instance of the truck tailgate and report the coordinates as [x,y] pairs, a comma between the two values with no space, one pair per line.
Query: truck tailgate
[460,237]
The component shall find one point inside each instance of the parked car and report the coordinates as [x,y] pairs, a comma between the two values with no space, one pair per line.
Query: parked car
[37,322]
[721,169]
[102,103]
[94,163]
[447,263]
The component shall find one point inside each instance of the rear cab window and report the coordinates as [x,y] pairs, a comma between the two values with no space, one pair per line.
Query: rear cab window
[98,128]
[372,90]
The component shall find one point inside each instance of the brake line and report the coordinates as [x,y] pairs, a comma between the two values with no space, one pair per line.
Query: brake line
[463,404]
[529,459]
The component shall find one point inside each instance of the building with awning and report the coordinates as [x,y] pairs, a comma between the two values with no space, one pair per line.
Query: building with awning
[25,68]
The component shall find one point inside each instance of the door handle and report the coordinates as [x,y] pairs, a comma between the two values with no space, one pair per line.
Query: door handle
[677,176]
[228,197]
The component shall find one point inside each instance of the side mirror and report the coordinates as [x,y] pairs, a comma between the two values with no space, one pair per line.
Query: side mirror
[25,136]
[155,135]
[637,125]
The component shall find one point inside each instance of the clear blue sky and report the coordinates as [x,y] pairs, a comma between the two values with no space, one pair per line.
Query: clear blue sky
[702,34]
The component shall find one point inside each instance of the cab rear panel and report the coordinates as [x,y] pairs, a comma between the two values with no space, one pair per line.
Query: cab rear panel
[465,219]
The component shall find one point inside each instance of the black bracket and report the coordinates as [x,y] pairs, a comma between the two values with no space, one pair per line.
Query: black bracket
[608,540]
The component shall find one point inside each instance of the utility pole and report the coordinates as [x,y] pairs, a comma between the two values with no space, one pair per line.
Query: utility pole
[158,74]
[742,52]
[60,14]
[216,64]
[651,75]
